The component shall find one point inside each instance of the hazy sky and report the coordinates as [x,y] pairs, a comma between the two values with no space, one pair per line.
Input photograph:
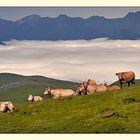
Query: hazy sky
[78,60]
[19,12]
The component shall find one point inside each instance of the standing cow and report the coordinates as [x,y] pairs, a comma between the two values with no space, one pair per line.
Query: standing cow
[126,77]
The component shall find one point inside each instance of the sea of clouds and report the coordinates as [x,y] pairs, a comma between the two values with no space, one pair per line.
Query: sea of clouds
[75,60]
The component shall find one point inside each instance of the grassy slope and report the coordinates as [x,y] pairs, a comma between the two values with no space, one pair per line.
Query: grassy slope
[79,114]
[17,87]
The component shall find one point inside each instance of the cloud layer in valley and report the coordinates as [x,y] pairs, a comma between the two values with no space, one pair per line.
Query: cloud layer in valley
[77,60]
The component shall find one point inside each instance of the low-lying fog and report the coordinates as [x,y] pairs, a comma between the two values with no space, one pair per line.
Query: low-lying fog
[77,60]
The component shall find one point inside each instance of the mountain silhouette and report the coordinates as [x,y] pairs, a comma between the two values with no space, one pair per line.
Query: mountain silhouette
[35,27]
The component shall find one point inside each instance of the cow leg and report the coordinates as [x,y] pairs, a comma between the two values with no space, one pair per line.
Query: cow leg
[128,84]
[121,83]
[133,82]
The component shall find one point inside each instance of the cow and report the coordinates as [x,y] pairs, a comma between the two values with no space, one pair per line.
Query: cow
[32,98]
[92,87]
[59,93]
[126,77]
[100,88]
[91,82]
[80,89]
[111,88]
[6,106]
[89,87]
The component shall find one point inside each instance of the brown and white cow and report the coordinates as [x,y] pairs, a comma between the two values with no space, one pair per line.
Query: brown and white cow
[126,77]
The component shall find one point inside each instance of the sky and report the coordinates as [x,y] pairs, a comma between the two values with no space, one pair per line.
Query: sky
[15,13]
[77,60]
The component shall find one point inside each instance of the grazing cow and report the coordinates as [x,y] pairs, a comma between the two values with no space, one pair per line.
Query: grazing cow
[6,106]
[80,89]
[126,77]
[111,88]
[58,93]
[32,98]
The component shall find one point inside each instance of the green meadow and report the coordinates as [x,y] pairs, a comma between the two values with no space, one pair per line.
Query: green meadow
[106,112]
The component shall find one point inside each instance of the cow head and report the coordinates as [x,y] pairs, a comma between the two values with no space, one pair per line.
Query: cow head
[48,91]
[91,82]
[81,88]
[30,98]
[119,74]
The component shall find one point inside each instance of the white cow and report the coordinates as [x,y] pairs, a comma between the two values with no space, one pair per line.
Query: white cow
[6,106]
[32,98]
[58,93]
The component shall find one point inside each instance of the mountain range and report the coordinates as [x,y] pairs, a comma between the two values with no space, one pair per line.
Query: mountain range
[35,27]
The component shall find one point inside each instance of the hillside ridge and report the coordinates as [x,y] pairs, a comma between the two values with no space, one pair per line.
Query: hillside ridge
[9,80]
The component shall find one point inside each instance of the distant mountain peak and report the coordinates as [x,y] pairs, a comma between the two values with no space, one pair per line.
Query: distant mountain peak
[28,19]
[96,18]
[62,16]
[133,14]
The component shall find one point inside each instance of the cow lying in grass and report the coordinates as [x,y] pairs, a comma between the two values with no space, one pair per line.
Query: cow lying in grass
[111,88]
[89,87]
[59,93]
[100,88]
[6,106]
[32,98]
[80,89]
